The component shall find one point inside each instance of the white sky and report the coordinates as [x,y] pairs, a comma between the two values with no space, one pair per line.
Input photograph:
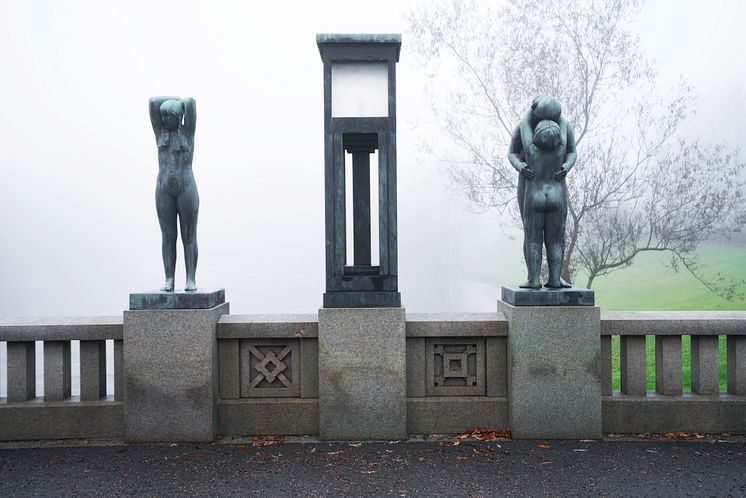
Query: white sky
[78,159]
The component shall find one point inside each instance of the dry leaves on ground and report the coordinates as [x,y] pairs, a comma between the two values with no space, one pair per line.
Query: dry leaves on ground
[482,434]
[658,436]
[263,441]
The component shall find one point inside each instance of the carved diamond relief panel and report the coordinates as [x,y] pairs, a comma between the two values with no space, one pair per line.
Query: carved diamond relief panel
[270,368]
[455,367]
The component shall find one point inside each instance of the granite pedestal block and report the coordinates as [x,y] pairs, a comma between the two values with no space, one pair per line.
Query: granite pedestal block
[362,374]
[571,296]
[170,374]
[159,300]
[554,380]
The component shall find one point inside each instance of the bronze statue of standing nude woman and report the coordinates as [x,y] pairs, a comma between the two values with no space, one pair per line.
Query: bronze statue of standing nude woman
[176,196]
[542,150]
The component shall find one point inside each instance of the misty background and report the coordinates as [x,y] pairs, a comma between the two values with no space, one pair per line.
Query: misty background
[78,159]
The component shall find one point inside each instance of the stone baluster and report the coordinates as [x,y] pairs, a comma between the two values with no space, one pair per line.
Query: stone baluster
[56,370]
[633,364]
[229,378]
[736,345]
[705,364]
[21,371]
[92,370]
[497,366]
[668,365]
[118,371]
[605,365]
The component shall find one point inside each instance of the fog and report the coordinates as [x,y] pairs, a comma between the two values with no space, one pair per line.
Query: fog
[78,159]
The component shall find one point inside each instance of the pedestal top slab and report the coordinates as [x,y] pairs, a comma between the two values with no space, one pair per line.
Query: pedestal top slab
[159,300]
[573,296]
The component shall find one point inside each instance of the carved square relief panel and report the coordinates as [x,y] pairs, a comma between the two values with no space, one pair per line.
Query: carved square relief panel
[270,368]
[455,367]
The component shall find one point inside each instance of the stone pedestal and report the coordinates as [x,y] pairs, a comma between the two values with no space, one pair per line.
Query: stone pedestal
[159,300]
[554,381]
[571,296]
[170,371]
[362,374]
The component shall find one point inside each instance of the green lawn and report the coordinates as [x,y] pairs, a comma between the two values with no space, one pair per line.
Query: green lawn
[649,285]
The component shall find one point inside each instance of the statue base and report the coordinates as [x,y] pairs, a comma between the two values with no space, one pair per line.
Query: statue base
[159,300]
[571,296]
[362,299]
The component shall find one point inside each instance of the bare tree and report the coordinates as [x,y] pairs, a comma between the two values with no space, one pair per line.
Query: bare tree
[636,186]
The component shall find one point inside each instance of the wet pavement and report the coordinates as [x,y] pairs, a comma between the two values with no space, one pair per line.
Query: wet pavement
[445,467]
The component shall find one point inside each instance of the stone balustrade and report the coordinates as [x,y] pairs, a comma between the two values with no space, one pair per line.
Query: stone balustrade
[57,414]
[669,408]
[456,374]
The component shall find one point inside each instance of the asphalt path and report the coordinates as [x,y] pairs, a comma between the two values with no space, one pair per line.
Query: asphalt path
[448,467]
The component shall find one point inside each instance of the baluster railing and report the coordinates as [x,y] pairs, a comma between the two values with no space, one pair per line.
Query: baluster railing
[21,371]
[705,364]
[57,374]
[668,365]
[736,361]
[633,365]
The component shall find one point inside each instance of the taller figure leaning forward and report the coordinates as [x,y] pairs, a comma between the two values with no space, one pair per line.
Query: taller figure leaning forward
[174,121]
[542,150]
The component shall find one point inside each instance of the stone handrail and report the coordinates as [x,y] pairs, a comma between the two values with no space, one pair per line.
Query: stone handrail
[87,328]
[267,326]
[673,323]
[456,324]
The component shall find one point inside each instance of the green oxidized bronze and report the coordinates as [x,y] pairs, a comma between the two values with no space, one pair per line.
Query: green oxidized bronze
[542,150]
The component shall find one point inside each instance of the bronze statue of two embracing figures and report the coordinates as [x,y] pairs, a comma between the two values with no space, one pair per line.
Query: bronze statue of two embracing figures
[542,150]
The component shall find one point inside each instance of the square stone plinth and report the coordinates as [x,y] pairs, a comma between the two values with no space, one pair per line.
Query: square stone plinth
[571,296]
[159,300]
[554,381]
[170,374]
[362,374]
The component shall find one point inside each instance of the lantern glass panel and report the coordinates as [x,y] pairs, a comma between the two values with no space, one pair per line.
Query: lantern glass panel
[360,89]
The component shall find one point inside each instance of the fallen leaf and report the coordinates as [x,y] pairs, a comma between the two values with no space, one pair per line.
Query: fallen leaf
[462,458]
[262,441]
[677,435]
[482,434]
[355,445]
[543,446]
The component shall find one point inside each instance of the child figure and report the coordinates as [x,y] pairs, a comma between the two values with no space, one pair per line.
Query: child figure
[545,205]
